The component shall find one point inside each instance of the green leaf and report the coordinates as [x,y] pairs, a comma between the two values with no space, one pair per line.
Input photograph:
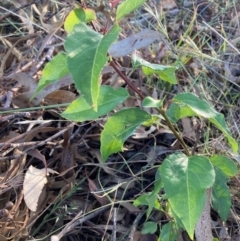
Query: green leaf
[166,73]
[152,121]
[149,102]
[204,109]
[221,197]
[186,180]
[86,57]
[173,112]
[168,232]
[224,168]
[149,227]
[158,185]
[53,71]
[109,98]
[78,15]
[127,7]
[176,112]
[141,200]
[150,200]
[225,164]
[118,128]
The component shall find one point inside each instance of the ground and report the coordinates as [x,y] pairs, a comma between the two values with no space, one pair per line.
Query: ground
[81,198]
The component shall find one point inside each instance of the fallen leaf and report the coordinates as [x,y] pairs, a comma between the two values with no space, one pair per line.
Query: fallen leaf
[99,196]
[23,100]
[34,187]
[168,4]
[60,97]
[134,42]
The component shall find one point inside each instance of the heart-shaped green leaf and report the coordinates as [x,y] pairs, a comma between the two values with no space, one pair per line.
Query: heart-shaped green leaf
[224,168]
[186,180]
[221,197]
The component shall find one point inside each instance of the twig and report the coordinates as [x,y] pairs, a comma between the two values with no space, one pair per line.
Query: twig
[30,143]
[15,116]
[2,97]
[114,224]
[9,97]
[134,226]
[38,145]
[171,127]
[70,226]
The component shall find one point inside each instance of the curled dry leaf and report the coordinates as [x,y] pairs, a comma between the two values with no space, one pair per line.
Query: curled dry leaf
[34,187]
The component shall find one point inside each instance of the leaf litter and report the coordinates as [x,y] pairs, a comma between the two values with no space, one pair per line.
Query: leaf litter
[81,191]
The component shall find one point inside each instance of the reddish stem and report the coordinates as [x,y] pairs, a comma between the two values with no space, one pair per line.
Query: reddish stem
[125,78]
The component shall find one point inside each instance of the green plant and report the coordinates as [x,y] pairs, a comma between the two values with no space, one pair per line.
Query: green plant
[189,180]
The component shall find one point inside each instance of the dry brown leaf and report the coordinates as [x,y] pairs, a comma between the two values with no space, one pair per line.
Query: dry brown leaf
[34,187]
[188,129]
[148,237]
[104,166]
[2,238]
[131,100]
[137,236]
[26,81]
[95,191]
[10,135]
[121,212]
[59,97]
[36,153]
[130,207]
[168,4]
[23,100]
[67,161]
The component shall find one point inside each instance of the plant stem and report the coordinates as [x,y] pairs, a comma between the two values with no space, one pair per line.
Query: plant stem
[161,111]
[126,79]
[171,127]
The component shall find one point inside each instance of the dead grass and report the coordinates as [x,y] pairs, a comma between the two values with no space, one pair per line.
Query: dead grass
[84,199]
